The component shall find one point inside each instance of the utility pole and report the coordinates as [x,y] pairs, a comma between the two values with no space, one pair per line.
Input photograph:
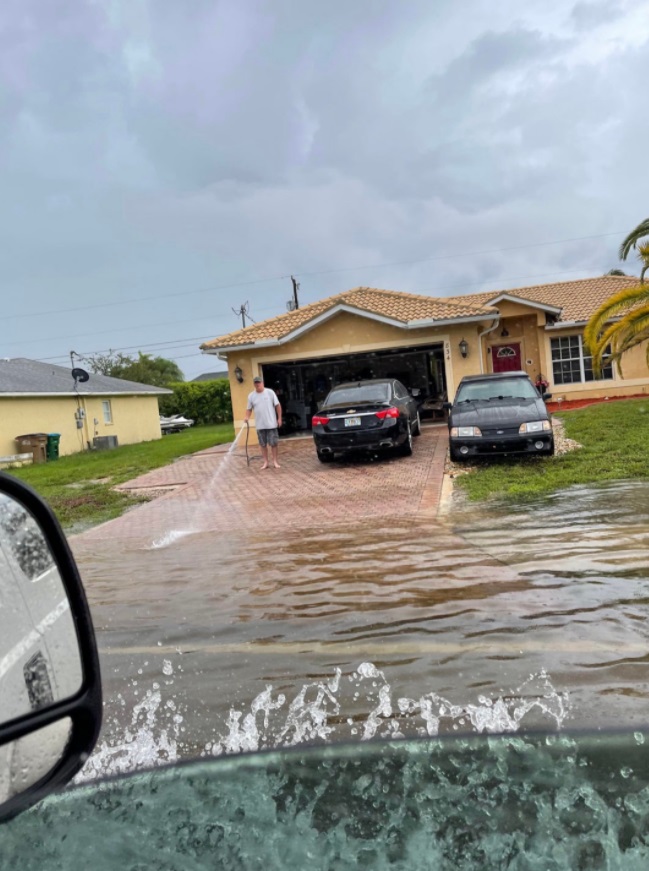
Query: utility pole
[296,287]
[241,312]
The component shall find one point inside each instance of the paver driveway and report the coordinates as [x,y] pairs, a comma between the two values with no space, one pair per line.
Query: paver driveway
[217,490]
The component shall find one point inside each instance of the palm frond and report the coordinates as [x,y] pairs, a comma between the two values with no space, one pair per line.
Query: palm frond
[612,307]
[631,330]
[632,239]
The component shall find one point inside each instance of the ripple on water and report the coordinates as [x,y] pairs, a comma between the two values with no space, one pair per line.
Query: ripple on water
[438,610]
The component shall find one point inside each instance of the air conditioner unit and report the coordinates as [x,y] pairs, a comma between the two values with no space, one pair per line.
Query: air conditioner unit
[104,443]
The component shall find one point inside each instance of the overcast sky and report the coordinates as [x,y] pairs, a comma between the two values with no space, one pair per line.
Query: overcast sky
[165,161]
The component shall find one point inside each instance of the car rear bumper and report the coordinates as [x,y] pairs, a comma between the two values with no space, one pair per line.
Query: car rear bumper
[378,440]
[543,443]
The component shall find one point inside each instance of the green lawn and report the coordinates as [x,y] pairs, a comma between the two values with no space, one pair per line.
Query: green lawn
[79,487]
[615,439]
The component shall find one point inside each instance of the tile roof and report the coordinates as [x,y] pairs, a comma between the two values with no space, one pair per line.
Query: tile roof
[401,307]
[577,300]
[30,376]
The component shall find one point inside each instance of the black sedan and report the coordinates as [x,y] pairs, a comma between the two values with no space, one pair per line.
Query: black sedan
[372,416]
[499,414]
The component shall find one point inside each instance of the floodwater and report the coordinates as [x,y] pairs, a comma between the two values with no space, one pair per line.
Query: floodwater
[397,626]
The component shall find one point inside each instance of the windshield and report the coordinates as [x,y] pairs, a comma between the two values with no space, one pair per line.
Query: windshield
[222,221]
[362,393]
[503,388]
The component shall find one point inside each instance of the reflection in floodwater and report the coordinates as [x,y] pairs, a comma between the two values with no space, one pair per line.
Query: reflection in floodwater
[397,626]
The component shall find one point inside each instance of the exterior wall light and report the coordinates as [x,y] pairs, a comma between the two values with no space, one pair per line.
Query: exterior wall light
[464,347]
[505,332]
[238,374]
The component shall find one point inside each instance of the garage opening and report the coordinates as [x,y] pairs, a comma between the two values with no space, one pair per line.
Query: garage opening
[301,385]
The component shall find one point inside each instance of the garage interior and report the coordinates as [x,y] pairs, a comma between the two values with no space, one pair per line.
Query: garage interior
[302,385]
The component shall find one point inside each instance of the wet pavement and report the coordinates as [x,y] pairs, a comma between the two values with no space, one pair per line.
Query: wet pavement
[249,591]
[217,490]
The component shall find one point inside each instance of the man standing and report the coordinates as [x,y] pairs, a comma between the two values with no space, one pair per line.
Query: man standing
[268,418]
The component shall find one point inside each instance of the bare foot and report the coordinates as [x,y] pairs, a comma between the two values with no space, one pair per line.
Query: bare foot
[277,466]
[265,466]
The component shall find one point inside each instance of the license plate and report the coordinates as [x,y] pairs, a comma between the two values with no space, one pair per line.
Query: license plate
[352,421]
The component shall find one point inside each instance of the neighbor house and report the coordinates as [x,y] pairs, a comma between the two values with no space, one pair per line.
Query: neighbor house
[100,412]
[428,343]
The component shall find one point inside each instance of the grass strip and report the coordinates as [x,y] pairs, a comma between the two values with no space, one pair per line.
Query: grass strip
[79,487]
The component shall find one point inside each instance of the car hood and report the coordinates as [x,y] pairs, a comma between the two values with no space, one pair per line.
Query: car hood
[500,412]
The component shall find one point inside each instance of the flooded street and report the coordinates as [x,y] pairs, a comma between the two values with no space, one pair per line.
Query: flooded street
[385,626]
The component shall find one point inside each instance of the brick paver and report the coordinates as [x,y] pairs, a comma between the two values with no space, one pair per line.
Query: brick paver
[217,490]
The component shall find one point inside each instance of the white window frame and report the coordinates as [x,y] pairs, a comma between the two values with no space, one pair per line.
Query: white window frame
[108,411]
[582,355]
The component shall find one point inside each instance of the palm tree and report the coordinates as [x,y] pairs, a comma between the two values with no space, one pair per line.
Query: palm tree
[630,307]
[633,238]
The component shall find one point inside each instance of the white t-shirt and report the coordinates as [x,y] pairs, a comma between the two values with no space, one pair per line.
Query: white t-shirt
[263,405]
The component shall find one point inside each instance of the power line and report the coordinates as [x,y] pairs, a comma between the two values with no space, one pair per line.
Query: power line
[157,297]
[241,312]
[181,342]
[461,254]
[170,343]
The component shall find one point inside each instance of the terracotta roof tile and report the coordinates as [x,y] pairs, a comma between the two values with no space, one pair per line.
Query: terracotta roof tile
[577,300]
[401,307]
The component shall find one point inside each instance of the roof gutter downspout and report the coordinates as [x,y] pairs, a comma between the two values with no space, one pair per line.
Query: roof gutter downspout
[484,333]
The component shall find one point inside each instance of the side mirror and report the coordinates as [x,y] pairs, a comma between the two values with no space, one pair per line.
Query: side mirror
[50,686]
[416,392]
[546,396]
[447,406]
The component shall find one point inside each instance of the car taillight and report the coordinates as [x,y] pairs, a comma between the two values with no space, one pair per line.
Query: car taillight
[317,419]
[388,412]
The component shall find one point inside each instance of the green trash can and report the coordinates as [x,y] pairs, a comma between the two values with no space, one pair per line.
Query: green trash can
[52,450]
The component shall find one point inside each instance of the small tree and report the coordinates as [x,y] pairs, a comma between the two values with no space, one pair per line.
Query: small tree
[145,369]
[202,401]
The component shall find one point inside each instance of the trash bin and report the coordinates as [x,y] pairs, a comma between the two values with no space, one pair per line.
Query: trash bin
[36,442]
[52,449]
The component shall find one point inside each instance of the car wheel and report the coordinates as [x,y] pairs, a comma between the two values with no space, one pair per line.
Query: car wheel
[417,430]
[406,447]
[325,458]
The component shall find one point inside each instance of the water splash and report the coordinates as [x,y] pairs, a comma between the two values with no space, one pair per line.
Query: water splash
[357,706]
[170,537]
[203,514]
[151,739]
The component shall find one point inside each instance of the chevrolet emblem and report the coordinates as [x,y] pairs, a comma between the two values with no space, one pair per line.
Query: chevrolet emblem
[351,411]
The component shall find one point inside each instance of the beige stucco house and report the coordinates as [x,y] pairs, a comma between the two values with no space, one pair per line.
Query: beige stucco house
[41,398]
[428,343]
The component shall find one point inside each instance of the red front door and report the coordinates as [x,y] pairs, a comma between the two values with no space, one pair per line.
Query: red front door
[506,358]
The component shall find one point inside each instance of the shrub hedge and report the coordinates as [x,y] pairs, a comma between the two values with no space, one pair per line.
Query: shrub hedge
[202,401]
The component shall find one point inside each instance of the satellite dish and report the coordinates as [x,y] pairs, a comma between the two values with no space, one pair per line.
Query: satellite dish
[80,375]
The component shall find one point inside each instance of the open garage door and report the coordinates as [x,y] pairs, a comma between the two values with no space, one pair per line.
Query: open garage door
[301,385]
